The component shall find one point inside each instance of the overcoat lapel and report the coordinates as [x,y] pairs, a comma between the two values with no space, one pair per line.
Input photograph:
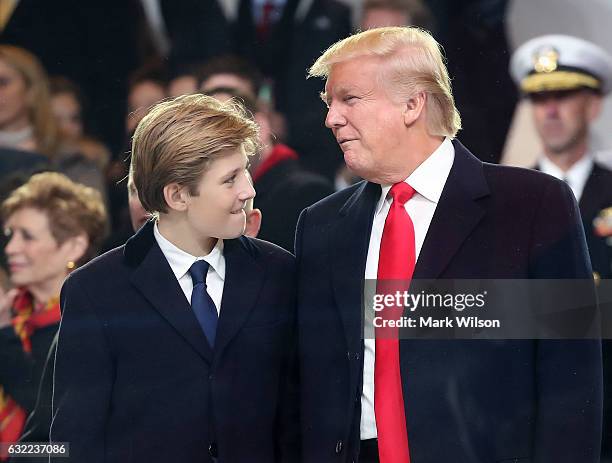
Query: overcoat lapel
[457,213]
[244,279]
[349,245]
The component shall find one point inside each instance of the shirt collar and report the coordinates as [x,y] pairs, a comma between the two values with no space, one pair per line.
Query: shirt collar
[429,178]
[576,176]
[181,261]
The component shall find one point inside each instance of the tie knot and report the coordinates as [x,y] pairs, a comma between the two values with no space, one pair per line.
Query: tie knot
[198,272]
[401,192]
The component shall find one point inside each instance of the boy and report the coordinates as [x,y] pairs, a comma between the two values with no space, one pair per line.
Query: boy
[177,346]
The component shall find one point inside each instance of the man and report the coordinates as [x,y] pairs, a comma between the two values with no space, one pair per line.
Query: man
[565,78]
[178,345]
[430,209]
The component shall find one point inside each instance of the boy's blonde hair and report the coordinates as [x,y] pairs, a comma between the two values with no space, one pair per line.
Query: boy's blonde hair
[179,138]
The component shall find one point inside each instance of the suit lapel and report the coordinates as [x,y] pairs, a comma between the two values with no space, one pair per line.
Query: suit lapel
[457,213]
[349,244]
[244,278]
[153,277]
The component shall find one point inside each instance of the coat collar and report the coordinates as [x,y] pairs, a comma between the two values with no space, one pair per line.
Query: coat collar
[350,240]
[456,215]
[153,277]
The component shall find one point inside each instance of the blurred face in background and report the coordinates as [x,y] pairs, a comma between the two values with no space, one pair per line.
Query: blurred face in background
[14,96]
[67,111]
[232,81]
[34,257]
[383,17]
[182,85]
[562,118]
[141,97]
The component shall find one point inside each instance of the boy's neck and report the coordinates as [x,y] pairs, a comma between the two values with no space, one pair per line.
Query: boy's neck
[176,230]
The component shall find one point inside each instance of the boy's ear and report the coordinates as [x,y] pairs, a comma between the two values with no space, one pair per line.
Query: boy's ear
[176,196]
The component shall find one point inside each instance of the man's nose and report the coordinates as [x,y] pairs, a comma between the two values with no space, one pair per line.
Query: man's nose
[334,117]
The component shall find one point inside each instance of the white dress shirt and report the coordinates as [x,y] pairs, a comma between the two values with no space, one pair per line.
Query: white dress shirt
[576,176]
[180,262]
[428,182]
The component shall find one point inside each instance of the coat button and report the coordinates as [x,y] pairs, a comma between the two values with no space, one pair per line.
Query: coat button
[339,446]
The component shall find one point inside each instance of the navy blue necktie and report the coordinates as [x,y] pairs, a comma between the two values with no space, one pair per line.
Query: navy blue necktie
[201,302]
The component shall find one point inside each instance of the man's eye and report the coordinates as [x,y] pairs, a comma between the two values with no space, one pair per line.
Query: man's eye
[232,179]
[349,98]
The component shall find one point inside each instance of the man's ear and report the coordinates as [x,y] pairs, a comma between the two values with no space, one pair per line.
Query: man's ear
[413,108]
[253,223]
[176,196]
[594,107]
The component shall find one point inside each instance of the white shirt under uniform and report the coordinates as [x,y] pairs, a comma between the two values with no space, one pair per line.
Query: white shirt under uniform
[576,176]
[428,182]
[180,262]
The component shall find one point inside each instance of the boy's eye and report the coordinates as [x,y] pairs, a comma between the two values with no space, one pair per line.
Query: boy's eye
[232,179]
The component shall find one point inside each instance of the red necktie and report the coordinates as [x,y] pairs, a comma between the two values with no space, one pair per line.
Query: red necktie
[395,267]
[265,24]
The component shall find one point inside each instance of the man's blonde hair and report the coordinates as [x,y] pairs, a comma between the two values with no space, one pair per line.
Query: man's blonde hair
[179,138]
[413,62]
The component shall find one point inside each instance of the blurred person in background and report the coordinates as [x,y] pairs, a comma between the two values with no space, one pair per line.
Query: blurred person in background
[138,214]
[232,72]
[146,87]
[68,106]
[382,13]
[53,225]
[26,119]
[282,38]
[183,81]
[234,76]
[565,78]
[27,124]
